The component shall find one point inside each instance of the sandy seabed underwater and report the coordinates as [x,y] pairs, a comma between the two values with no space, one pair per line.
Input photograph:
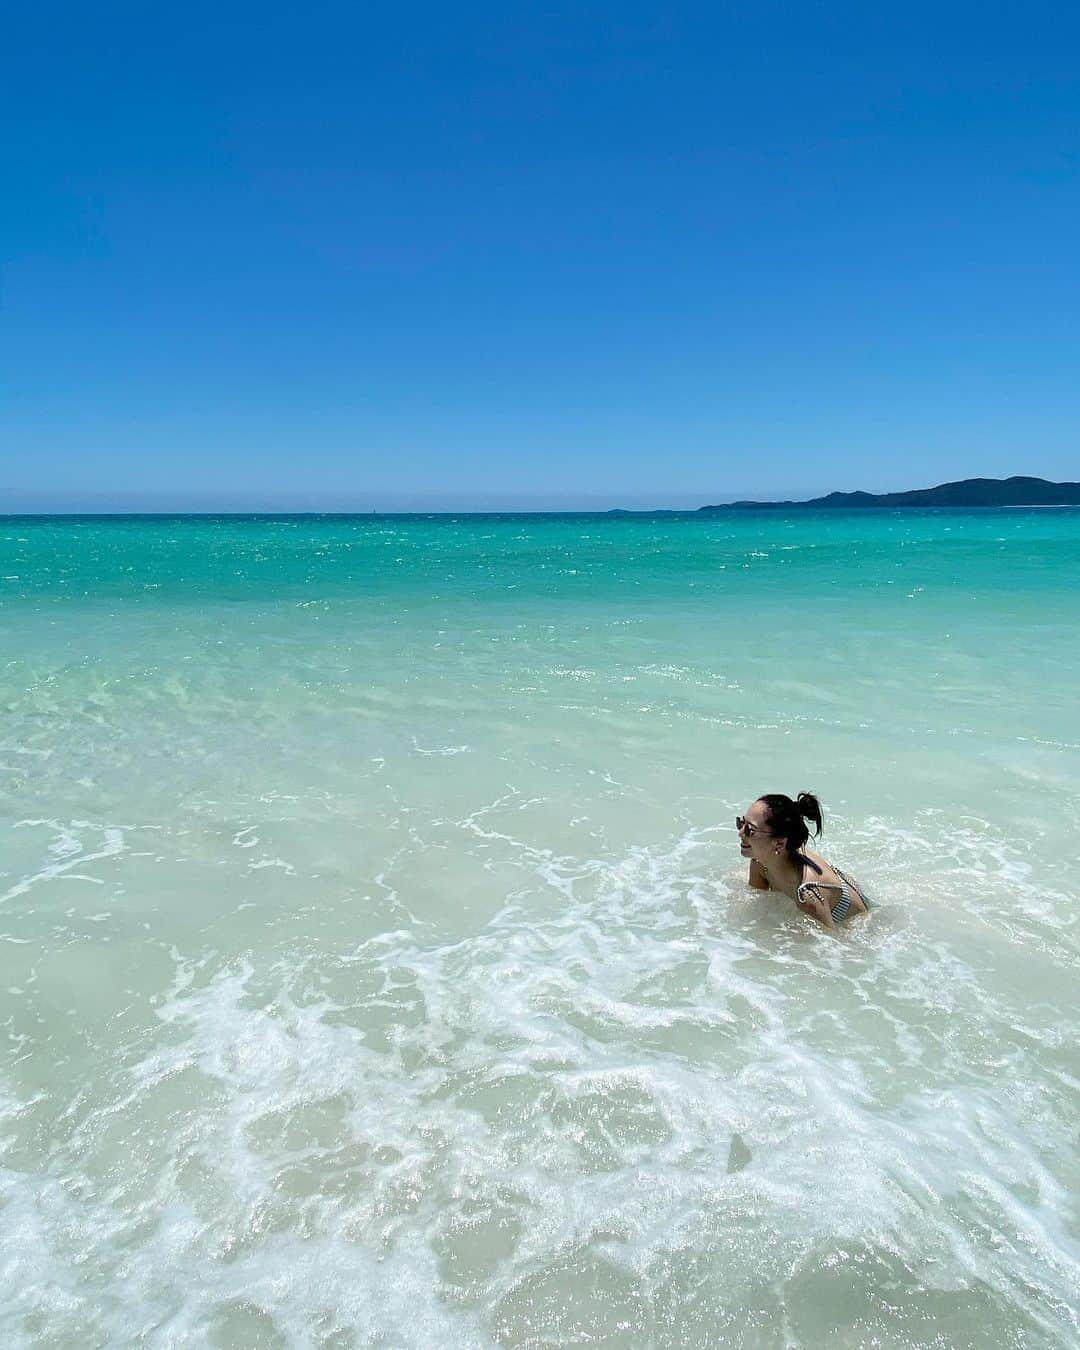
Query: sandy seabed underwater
[378,967]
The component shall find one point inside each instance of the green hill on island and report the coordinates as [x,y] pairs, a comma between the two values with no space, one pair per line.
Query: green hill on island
[1016,491]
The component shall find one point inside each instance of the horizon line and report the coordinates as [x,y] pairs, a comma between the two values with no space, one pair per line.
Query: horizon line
[738,503]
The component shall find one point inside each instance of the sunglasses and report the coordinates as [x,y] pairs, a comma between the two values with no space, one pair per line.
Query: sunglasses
[746,827]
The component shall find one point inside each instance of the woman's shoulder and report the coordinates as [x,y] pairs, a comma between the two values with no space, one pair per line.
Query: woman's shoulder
[817,869]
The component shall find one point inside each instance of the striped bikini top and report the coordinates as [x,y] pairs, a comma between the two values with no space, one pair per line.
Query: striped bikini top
[840,910]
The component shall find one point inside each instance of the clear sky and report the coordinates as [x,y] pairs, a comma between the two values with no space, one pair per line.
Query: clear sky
[355,256]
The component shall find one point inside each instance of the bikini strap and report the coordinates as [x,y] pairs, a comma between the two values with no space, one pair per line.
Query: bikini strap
[838,911]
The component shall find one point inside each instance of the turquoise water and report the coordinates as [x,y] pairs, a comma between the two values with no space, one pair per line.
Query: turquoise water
[378,967]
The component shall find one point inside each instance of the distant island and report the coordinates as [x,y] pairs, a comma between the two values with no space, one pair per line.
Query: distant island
[1016,491]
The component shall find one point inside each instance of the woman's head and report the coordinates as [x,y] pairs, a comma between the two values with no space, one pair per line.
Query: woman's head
[776,823]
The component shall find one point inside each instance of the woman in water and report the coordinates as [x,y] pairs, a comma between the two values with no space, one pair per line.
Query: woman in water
[773,835]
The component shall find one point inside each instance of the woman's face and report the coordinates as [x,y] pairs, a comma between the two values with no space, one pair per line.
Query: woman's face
[755,841]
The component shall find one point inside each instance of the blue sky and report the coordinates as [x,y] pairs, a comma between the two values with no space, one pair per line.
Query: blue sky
[348,256]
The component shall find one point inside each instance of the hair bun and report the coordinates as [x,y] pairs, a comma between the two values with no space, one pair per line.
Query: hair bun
[808,806]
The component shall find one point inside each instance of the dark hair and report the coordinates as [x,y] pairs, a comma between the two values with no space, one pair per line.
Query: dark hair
[787,818]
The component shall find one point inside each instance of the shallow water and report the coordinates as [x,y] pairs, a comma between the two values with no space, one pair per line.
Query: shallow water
[378,967]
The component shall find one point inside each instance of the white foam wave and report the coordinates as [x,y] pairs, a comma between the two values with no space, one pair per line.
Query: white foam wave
[655,1092]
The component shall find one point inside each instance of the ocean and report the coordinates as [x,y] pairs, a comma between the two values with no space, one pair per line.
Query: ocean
[379,967]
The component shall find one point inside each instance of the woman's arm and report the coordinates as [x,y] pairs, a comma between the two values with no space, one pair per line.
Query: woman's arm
[813,898]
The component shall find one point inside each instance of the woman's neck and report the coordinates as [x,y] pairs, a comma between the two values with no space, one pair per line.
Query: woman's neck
[784,873]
